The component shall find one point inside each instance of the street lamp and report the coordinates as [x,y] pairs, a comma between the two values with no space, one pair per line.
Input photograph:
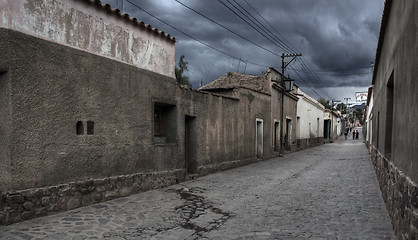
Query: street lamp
[288,84]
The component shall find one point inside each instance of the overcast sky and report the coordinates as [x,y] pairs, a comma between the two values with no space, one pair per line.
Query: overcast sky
[337,38]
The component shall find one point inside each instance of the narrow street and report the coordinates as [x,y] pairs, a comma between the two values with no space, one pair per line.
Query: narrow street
[326,192]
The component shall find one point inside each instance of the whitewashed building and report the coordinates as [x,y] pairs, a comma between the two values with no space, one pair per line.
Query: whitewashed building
[369,117]
[310,121]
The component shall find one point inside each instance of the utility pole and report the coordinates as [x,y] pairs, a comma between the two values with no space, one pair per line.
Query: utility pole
[346,108]
[346,100]
[284,65]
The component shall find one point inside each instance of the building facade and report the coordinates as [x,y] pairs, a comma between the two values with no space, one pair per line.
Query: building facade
[79,84]
[394,115]
[310,121]
[91,111]
[368,118]
[332,122]
[279,123]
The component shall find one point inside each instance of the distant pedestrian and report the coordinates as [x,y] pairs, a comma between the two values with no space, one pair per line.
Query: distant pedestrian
[346,133]
[357,134]
[354,134]
[350,129]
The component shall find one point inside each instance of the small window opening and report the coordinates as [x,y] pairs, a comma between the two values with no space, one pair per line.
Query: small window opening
[165,123]
[90,127]
[80,128]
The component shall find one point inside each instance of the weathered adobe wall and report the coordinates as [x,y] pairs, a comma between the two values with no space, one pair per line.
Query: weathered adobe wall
[309,113]
[289,113]
[225,128]
[47,88]
[84,25]
[254,105]
[276,115]
[52,87]
[399,56]
[46,167]
[394,144]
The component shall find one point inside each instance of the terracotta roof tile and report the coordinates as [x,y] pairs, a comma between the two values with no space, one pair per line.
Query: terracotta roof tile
[232,80]
[126,16]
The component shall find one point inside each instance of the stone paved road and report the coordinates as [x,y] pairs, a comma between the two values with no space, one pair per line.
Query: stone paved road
[327,192]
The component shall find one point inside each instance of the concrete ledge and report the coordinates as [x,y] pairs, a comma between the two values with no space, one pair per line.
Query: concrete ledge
[217,167]
[16,206]
[400,194]
[306,143]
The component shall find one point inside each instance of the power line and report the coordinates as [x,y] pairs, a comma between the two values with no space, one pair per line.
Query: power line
[340,70]
[184,5]
[277,41]
[283,45]
[334,73]
[188,35]
[315,79]
[269,37]
[288,43]
[256,25]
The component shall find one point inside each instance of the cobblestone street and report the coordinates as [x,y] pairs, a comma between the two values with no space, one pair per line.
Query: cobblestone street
[326,192]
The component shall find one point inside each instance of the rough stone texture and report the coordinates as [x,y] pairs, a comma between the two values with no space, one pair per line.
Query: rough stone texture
[400,195]
[324,193]
[302,144]
[395,112]
[37,202]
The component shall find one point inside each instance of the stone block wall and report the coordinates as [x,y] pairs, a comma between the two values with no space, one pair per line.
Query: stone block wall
[16,206]
[400,194]
[218,167]
[302,144]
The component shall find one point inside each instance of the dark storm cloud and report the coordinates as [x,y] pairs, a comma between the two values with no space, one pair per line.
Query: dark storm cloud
[337,38]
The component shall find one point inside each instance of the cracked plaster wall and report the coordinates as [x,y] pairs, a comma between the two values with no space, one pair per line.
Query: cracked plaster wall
[87,27]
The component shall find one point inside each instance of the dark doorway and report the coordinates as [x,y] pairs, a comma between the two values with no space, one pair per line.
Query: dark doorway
[276,136]
[259,138]
[389,117]
[327,129]
[288,135]
[190,144]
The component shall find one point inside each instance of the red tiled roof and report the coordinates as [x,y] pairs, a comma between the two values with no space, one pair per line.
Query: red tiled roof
[133,20]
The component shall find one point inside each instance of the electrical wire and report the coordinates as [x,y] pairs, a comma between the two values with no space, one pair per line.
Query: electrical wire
[277,41]
[262,30]
[229,30]
[188,35]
